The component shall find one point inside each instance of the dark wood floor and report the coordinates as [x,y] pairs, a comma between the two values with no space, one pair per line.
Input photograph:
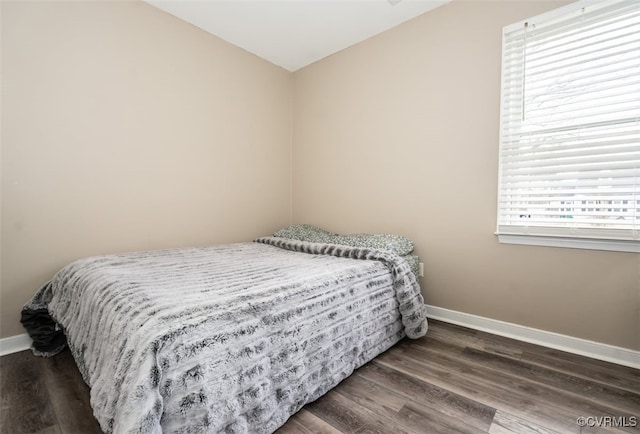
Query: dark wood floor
[455,380]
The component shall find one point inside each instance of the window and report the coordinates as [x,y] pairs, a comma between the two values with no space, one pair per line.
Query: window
[570,128]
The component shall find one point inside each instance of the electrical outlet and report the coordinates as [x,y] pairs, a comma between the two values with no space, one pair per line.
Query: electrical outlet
[421,272]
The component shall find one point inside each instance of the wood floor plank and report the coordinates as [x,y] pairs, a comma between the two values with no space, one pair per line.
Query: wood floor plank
[453,380]
[580,366]
[496,396]
[526,399]
[505,423]
[51,430]
[430,396]
[381,400]
[464,337]
[26,407]
[596,370]
[303,422]
[426,420]
[69,395]
[575,405]
[618,399]
[349,417]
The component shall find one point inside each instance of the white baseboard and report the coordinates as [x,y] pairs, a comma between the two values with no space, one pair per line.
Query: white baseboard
[13,344]
[583,347]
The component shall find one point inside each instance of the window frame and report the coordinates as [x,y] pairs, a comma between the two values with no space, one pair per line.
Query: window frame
[555,236]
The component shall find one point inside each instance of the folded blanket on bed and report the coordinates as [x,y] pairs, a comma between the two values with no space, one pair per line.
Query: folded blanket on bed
[390,242]
[229,338]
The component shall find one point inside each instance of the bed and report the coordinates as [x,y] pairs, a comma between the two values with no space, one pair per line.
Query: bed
[226,338]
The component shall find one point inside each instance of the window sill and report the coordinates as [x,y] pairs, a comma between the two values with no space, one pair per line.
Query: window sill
[571,243]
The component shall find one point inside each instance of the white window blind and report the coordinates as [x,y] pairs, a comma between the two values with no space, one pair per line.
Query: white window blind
[570,124]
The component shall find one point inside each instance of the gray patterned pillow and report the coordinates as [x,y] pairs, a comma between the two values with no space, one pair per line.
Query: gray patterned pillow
[395,243]
[305,233]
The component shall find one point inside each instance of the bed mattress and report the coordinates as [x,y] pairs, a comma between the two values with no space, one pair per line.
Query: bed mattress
[227,338]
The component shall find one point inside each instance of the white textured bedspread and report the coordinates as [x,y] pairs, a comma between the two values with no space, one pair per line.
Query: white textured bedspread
[228,338]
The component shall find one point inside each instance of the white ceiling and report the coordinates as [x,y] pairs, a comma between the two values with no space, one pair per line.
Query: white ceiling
[294,33]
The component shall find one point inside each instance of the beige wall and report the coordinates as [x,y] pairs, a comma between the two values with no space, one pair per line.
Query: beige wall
[124,128]
[400,134]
